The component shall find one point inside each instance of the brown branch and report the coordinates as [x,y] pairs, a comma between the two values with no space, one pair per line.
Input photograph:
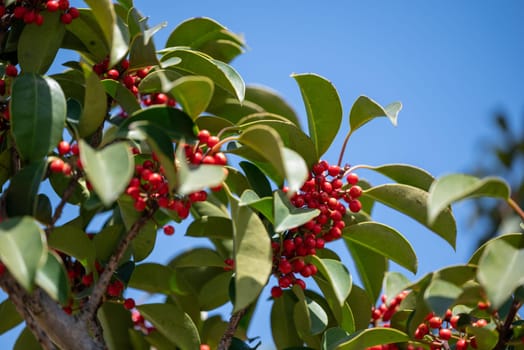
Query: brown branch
[225,341]
[95,300]
[505,329]
[46,319]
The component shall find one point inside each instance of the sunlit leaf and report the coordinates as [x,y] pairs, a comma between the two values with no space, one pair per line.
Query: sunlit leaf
[514,239]
[123,96]
[193,93]
[394,283]
[406,174]
[287,216]
[152,278]
[271,101]
[365,109]
[199,257]
[336,274]
[371,337]
[212,227]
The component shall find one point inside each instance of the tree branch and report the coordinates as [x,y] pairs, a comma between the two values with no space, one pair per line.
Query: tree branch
[225,341]
[505,329]
[46,319]
[90,308]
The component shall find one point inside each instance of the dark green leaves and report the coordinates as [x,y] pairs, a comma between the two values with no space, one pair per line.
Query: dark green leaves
[500,271]
[412,202]
[22,249]
[253,257]
[109,170]
[95,103]
[323,107]
[38,112]
[455,187]
[173,323]
[365,109]
[369,337]
[383,240]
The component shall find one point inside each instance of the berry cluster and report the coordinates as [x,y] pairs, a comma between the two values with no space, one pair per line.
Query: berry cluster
[435,332]
[10,72]
[326,191]
[68,159]
[30,11]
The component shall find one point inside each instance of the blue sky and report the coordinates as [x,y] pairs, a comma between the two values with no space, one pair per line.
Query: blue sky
[453,64]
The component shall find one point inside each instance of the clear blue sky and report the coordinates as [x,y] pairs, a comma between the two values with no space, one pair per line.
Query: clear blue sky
[451,63]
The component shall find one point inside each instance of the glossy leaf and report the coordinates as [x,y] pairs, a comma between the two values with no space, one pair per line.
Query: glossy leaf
[23,249]
[192,180]
[310,318]
[222,74]
[212,227]
[287,216]
[109,170]
[173,323]
[38,112]
[500,271]
[53,278]
[95,103]
[323,108]
[455,187]
[252,255]
[413,201]
[116,322]
[123,96]
[199,257]
[282,322]
[337,275]
[22,196]
[152,278]
[440,295]
[365,109]
[383,240]
[193,93]
[371,268]
[74,242]
[406,174]
[38,45]
[271,101]
[514,239]
[371,337]
[263,205]
[394,283]
[297,171]
[9,317]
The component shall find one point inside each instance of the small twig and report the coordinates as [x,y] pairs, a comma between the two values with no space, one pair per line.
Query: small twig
[516,207]
[232,326]
[343,149]
[505,329]
[90,308]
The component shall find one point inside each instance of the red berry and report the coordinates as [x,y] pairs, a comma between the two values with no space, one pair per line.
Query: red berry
[300,283]
[11,70]
[334,170]
[39,19]
[220,158]
[212,141]
[160,99]
[140,204]
[2,10]
[129,303]
[20,11]
[454,321]
[2,269]
[52,5]
[462,344]
[445,333]
[29,17]
[285,267]
[204,347]
[113,74]
[421,331]
[66,18]
[483,305]
[63,4]
[87,279]
[480,323]
[74,12]
[355,191]
[435,322]
[56,166]
[276,292]
[63,147]
[169,230]
[352,179]
[355,205]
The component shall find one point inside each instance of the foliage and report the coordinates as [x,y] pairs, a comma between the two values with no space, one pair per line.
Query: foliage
[148,138]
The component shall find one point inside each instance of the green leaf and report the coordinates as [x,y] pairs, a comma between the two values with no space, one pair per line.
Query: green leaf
[22,249]
[142,52]
[283,327]
[310,318]
[371,337]
[394,283]
[257,180]
[123,96]
[323,108]
[383,240]
[287,216]
[38,45]
[212,227]
[109,170]
[152,278]
[271,101]
[95,103]
[413,201]
[53,278]
[360,304]
[500,271]
[365,109]
[193,93]
[215,292]
[38,112]
[43,211]
[199,257]
[440,295]
[197,63]
[252,255]
[262,205]
[22,194]
[74,242]
[85,34]
[297,171]
[337,276]
[105,15]
[371,268]
[406,174]
[485,338]
[27,341]
[116,323]
[455,187]
[107,240]
[513,239]
[333,337]
[9,317]
[173,323]
[192,180]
